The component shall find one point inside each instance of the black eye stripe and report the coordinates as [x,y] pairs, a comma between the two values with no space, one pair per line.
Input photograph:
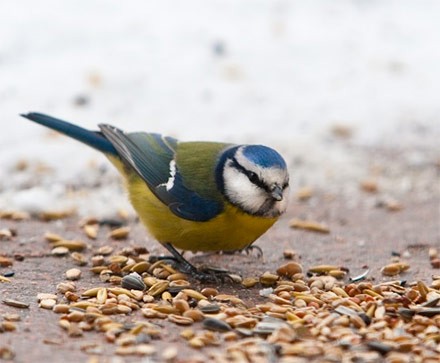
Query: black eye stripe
[253,177]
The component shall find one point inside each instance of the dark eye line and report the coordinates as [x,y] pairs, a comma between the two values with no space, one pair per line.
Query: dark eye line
[253,177]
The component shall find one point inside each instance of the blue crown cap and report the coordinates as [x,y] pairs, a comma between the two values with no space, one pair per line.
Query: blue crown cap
[264,156]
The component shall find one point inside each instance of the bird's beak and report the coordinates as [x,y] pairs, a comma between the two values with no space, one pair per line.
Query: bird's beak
[276,192]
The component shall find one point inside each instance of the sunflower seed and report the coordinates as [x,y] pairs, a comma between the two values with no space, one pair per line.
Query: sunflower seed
[133,282]
[216,325]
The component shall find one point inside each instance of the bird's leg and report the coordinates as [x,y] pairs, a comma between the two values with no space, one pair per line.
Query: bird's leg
[155,258]
[206,275]
[177,256]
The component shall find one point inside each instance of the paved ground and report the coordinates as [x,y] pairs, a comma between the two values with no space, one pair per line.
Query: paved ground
[363,234]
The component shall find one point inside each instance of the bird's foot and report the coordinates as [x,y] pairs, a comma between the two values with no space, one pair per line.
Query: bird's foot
[203,274]
[251,249]
[213,274]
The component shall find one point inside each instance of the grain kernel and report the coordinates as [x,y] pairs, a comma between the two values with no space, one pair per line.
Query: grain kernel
[289,269]
[47,303]
[120,233]
[73,274]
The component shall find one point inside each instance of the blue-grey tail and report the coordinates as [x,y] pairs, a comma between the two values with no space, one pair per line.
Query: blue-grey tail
[92,138]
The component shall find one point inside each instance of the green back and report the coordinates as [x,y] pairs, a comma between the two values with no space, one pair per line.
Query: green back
[197,162]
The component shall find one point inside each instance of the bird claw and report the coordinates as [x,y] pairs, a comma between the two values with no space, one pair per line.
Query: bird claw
[202,274]
[249,250]
[212,274]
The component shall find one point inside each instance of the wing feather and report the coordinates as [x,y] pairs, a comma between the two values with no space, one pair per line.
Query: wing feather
[152,157]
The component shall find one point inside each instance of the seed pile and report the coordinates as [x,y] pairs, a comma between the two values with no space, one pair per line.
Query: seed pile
[303,314]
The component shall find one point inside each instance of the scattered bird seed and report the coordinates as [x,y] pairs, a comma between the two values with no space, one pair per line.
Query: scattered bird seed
[5,262]
[209,292]
[78,258]
[70,245]
[169,354]
[8,326]
[120,233]
[16,303]
[268,279]
[113,223]
[4,279]
[47,303]
[435,263]
[55,215]
[6,234]
[52,237]
[216,325]
[12,317]
[91,230]
[309,226]
[42,296]
[289,269]
[249,282]
[289,254]
[210,309]
[133,281]
[73,274]
[369,185]
[394,268]
[323,269]
[14,215]
[304,193]
[61,308]
[60,251]
[268,326]
[6,353]
[104,250]
[380,347]
[300,317]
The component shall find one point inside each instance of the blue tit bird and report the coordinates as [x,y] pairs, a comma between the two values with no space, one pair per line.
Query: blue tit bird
[197,196]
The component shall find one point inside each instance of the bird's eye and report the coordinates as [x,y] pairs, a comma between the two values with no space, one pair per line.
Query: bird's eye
[253,177]
[285,185]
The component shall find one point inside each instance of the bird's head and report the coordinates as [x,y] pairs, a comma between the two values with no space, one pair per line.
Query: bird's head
[255,179]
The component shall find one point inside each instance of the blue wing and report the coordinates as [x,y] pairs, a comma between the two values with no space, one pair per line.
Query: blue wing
[152,157]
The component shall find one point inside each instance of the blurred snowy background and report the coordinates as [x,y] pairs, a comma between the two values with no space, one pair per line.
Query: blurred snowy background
[321,81]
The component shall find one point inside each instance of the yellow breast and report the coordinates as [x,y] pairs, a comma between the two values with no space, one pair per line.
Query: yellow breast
[230,230]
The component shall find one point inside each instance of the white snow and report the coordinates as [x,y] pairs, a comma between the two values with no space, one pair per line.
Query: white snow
[275,72]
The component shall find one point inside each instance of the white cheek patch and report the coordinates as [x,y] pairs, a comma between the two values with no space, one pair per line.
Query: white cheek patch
[249,196]
[242,192]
